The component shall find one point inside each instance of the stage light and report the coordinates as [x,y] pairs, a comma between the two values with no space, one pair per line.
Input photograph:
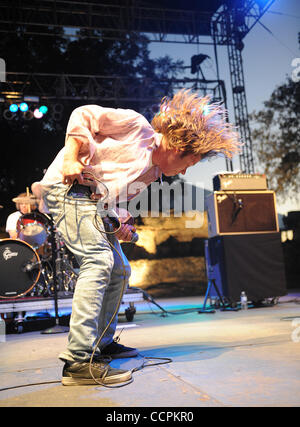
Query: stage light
[13,108]
[28,115]
[37,114]
[23,107]
[196,61]
[205,111]
[261,2]
[43,109]
[8,115]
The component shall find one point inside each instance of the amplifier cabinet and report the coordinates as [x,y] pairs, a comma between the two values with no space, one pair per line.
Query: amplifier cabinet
[252,263]
[241,212]
[240,182]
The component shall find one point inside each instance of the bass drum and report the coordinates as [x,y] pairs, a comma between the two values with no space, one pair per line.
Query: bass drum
[20,268]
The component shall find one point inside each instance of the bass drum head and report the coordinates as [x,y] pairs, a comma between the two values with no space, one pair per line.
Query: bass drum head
[19,268]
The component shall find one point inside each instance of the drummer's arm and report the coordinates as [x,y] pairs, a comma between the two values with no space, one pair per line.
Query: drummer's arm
[13,234]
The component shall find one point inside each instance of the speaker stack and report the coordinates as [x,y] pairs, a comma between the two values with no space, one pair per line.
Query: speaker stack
[243,251]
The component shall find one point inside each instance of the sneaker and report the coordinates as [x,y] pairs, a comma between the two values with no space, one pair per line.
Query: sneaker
[118,351]
[78,373]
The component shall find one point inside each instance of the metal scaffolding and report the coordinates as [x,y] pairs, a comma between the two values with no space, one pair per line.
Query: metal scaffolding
[229,26]
[115,19]
[80,87]
[55,90]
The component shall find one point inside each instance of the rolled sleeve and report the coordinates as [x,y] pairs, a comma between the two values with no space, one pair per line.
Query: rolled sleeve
[81,125]
[84,125]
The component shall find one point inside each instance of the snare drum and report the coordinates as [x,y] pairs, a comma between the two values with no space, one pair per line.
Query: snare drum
[33,229]
[19,268]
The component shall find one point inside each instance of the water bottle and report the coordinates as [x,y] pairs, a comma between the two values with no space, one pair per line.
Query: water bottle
[2,329]
[244,301]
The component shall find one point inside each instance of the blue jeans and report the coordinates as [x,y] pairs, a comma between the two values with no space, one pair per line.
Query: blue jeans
[101,275]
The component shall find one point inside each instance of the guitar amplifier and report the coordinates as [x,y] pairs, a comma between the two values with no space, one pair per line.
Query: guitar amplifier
[235,181]
[241,212]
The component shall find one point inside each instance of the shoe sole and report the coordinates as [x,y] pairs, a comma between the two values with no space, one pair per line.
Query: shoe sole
[112,379]
[132,353]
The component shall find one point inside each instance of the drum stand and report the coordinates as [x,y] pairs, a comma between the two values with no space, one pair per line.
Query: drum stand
[57,329]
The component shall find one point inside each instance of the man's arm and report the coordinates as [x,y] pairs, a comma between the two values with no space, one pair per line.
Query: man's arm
[72,167]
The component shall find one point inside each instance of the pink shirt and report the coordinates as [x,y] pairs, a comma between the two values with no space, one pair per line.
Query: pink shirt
[117,143]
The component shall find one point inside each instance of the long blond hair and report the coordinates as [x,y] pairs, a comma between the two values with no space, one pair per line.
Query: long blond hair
[194,126]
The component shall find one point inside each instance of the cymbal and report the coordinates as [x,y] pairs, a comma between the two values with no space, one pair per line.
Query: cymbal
[26,199]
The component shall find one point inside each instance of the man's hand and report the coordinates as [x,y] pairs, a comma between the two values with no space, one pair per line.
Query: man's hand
[72,167]
[125,232]
[72,170]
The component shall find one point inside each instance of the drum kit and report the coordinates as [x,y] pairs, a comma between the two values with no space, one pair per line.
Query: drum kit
[37,263]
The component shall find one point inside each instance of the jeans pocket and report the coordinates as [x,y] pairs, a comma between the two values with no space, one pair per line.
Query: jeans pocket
[55,201]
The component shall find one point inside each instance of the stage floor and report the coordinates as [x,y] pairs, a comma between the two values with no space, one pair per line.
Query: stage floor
[226,358]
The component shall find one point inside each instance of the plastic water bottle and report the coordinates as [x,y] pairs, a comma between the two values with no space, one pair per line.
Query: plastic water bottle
[244,301]
[2,329]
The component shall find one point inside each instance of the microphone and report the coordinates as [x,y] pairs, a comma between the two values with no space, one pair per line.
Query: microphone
[134,238]
[114,219]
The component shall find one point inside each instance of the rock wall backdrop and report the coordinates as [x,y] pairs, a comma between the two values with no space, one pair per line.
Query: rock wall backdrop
[168,259]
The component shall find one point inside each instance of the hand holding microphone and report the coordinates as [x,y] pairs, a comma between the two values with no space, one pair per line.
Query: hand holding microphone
[127,231]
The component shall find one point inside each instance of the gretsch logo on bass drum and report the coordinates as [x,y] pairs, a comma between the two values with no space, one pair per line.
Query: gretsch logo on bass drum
[7,254]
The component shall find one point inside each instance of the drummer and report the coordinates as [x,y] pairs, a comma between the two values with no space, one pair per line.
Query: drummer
[22,209]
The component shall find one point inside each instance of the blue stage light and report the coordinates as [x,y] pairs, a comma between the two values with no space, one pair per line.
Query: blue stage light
[24,106]
[43,109]
[13,108]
